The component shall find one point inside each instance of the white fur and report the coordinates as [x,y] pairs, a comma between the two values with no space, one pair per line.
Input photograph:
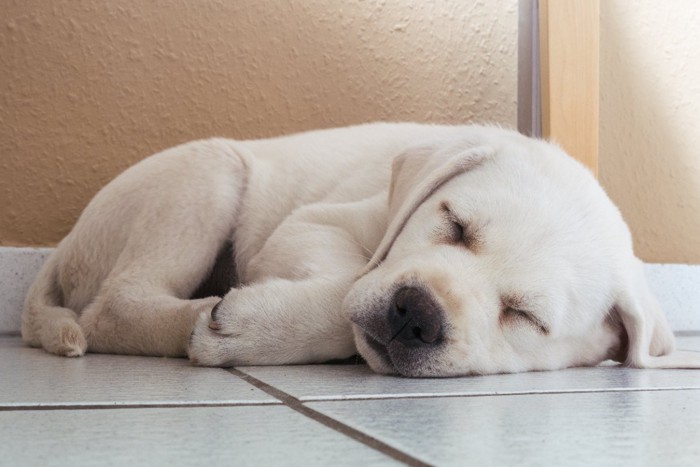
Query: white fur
[327,226]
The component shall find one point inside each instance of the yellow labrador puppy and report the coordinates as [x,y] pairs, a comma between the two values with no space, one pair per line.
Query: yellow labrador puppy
[430,250]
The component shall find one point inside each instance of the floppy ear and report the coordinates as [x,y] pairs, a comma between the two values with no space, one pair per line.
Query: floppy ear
[650,340]
[415,175]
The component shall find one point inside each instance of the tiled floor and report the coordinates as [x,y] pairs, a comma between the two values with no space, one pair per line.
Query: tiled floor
[114,410]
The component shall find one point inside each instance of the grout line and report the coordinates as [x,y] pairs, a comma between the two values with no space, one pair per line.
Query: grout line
[544,392]
[4,334]
[695,333]
[106,406]
[298,406]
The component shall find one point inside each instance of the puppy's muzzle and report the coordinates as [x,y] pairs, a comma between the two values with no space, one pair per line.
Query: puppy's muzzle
[415,319]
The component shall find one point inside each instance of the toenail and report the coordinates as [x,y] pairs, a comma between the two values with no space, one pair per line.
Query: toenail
[214,310]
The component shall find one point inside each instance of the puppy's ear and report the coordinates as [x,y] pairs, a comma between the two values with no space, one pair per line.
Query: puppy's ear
[650,340]
[416,174]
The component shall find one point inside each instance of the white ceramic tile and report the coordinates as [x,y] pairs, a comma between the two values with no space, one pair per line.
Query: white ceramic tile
[327,382]
[201,436]
[688,343]
[18,266]
[611,428]
[32,377]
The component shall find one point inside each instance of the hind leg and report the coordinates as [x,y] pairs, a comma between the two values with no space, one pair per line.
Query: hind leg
[60,334]
[143,307]
[138,252]
[47,324]
[138,321]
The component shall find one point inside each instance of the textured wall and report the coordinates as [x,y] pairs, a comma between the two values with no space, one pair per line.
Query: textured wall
[91,86]
[650,137]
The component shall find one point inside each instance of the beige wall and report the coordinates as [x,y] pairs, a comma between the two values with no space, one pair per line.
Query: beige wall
[88,87]
[91,86]
[649,112]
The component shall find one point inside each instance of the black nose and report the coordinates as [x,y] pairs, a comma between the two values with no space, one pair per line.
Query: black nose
[415,319]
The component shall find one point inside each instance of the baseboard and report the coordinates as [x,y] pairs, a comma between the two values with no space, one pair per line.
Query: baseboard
[677,287]
[18,267]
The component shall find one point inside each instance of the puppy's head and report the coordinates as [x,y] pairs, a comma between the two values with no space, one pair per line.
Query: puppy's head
[502,255]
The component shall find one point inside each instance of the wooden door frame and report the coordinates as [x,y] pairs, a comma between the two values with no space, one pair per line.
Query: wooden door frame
[558,78]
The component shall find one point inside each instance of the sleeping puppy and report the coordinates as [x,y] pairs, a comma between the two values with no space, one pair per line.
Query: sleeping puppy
[430,250]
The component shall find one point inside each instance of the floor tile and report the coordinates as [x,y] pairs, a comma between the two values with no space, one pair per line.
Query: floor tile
[32,377]
[610,428]
[330,382]
[688,343]
[243,435]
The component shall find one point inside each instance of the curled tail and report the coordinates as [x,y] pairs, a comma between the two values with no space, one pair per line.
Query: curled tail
[45,323]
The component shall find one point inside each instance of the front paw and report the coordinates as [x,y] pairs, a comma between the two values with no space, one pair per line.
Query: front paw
[206,346]
[223,338]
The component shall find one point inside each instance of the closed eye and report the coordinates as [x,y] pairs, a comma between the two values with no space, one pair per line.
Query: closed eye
[458,231]
[515,314]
